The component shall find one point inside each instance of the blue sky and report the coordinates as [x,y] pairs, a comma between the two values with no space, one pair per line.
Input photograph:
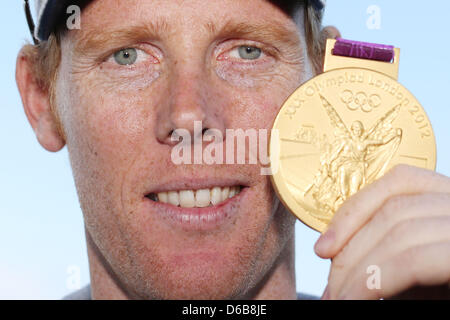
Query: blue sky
[42,246]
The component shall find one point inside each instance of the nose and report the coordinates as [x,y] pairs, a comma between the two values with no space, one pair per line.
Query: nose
[189,106]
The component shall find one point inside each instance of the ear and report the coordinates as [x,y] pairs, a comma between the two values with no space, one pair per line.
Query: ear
[36,103]
[328,32]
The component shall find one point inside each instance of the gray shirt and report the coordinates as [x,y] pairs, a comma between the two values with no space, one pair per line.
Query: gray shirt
[85,294]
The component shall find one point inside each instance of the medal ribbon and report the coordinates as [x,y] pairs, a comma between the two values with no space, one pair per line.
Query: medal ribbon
[363,50]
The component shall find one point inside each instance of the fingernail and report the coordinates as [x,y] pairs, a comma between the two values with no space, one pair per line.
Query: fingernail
[326,294]
[325,241]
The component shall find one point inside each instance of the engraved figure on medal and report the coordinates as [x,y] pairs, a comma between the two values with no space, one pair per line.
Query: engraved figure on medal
[355,158]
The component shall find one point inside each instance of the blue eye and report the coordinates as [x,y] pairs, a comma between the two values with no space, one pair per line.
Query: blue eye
[126,56]
[249,53]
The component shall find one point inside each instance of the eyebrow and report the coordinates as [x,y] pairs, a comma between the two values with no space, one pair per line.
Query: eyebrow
[120,36]
[268,32]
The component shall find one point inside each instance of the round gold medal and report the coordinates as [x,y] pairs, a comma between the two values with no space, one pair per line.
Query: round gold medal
[341,131]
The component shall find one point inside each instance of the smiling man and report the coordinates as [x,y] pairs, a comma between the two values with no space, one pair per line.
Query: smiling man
[116,89]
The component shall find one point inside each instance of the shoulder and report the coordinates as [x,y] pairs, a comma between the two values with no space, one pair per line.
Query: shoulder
[82,294]
[85,294]
[305,296]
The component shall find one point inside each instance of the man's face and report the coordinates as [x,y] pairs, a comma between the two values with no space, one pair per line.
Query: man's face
[189,63]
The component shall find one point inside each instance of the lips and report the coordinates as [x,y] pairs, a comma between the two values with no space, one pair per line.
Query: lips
[200,207]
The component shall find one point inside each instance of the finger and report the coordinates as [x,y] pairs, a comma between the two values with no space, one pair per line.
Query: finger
[425,265]
[405,234]
[395,211]
[357,210]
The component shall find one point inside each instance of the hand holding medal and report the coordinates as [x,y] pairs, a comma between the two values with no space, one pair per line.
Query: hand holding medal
[344,137]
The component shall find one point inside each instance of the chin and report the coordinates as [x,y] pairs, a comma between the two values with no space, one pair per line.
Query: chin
[215,273]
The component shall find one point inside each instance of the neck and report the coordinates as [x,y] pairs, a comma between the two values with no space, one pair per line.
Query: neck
[104,284]
[277,284]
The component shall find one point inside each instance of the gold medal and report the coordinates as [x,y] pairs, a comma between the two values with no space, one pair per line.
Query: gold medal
[342,130]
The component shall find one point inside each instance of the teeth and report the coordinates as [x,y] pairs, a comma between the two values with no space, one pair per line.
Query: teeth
[187,199]
[225,192]
[216,195]
[200,198]
[173,198]
[162,196]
